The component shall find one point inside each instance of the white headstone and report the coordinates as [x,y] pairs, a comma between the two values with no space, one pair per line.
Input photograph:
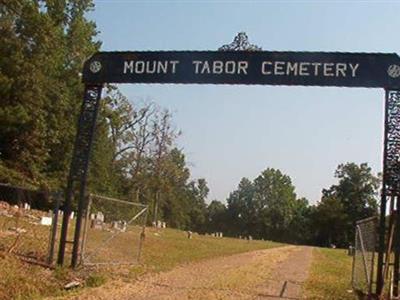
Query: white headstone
[46,221]
[100,216]
[96,224]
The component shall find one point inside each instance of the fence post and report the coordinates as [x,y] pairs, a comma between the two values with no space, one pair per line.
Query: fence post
[354,260]
[85,228]
[142,236]
[54,224]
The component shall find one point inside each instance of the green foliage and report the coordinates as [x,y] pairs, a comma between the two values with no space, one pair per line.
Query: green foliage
[268,208]
[275,198]
[299,229]
[40,88]
[217,218]
[265,208]
[352,199]
[13,177]
[329,219]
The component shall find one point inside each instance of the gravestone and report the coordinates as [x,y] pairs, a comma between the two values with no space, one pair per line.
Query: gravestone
[96,224]
[46,221]
[119,225]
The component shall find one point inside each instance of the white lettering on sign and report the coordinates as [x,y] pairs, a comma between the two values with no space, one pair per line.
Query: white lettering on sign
[328,69]
[353,69]
[292,68]
[287,68]
[316,68]
[150,67]
[304,69]
[268,68]
[220,67]
[265,68]
[279,68]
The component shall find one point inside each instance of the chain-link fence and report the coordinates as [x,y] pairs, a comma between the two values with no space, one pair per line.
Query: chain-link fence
[28,223]
[364,255]
[113,232]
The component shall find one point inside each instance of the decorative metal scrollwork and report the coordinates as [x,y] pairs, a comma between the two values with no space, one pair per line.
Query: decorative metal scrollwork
[240,43]
[86,126]
[392,160]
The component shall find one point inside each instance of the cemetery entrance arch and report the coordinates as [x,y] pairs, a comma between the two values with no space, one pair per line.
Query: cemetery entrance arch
[243,63]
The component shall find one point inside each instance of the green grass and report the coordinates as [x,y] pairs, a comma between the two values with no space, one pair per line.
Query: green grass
[330,275]
[162,250]
[19,280]
[32,242]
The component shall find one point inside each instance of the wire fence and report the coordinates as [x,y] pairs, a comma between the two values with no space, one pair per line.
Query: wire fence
[28,223]
[114,231]
[364,255]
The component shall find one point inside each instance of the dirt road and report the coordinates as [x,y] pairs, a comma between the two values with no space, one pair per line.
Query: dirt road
[276,273]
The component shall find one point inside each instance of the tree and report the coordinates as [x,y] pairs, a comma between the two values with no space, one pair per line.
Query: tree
[43,45]
[275,199]
[329,222]
[27,38]
[163,137]
[175,205]
[264,208]
[129,137]
[357,190]
[354,197]
[300,227]
[241,210]
[198,208]
[40,84]
[217,220]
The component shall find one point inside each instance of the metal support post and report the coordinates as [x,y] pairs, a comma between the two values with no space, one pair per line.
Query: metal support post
[391,182]
[79,169]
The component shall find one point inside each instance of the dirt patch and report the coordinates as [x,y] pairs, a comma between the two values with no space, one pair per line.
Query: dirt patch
[264,274]
[288,276]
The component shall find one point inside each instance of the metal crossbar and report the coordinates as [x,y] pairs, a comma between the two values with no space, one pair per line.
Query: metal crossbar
[118,200]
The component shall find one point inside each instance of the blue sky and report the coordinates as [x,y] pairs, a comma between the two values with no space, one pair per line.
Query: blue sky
[230,132]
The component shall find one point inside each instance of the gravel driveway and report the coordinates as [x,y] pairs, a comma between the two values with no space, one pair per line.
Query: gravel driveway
[276,273]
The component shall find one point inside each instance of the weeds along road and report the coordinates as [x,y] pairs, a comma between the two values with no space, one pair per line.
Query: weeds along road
[263,274]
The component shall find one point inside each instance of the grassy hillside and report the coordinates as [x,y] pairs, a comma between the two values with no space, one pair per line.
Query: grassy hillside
[163,249]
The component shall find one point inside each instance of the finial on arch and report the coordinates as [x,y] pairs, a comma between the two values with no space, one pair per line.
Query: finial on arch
[240,43]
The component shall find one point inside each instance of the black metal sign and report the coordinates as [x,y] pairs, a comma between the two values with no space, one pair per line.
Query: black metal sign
[246,67]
